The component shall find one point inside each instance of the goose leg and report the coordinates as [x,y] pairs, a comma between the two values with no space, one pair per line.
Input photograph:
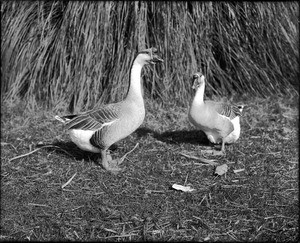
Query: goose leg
[222,151]
[112,164]
[223,147]
[119,161]
[211,142]
[213,151]
[109,164]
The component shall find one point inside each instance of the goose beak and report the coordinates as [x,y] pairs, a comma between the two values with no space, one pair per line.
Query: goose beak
[195,78]
[243,107]
[155,59]
[194,85]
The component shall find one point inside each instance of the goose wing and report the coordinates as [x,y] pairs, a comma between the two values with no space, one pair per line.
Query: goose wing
[93,120]
[217,117]
[227,110]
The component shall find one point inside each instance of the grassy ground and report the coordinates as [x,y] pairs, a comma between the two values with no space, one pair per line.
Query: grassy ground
[258,203]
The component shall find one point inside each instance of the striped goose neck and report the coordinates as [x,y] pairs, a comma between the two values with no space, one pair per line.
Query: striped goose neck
[135,86]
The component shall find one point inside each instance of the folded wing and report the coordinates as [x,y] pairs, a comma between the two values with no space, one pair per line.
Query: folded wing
[93,120]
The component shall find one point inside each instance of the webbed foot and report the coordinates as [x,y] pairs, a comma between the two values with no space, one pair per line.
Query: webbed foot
[213,152]
[112,166]
[109,164]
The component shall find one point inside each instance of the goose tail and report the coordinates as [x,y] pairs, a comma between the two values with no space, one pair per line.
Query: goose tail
[62,120]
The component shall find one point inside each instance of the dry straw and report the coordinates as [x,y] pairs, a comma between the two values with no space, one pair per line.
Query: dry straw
[79,53]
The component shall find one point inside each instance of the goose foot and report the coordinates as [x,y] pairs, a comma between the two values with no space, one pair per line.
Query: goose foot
[109,164]
[219,153]
[213,152]
[112,166]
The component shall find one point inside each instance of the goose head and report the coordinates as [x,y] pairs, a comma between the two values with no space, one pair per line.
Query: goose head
[198,80]
[241,107]
[148,56]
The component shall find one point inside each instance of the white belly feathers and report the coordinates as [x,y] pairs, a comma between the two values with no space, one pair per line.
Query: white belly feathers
[82,139]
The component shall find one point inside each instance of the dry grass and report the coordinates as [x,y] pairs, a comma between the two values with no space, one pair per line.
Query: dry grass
[80,53]
[61,193]
[57,55]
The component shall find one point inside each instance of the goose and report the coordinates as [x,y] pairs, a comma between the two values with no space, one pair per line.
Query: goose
[219,121]
[96,130]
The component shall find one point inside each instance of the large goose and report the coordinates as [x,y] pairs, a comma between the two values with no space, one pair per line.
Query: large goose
[219,121]
[98,129]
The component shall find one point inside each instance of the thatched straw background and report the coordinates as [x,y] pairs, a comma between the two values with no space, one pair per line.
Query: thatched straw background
[57,53]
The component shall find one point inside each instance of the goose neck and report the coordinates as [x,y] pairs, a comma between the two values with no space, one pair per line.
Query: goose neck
[199,96]
[135,85]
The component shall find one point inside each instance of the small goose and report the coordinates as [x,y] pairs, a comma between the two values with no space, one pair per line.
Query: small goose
[219,121]
[96,130]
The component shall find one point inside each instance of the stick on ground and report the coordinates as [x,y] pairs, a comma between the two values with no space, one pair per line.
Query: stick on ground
[207,161]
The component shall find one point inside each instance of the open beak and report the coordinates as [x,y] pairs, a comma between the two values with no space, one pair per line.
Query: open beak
[154,57]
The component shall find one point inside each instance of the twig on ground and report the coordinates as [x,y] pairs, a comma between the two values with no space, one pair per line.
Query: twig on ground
[69,181]
[119,236]
[38,205]
[3,144]
[207,161]
[123,157]
[23,155]
[47,146]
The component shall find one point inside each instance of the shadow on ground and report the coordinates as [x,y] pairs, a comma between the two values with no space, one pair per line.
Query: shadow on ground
[71,150]
[174,137]
[171,137]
